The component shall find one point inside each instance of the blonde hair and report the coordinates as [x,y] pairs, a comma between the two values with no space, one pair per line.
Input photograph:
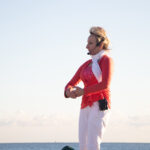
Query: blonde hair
[100,35]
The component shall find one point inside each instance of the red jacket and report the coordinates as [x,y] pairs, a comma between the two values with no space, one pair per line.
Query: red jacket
[93,91]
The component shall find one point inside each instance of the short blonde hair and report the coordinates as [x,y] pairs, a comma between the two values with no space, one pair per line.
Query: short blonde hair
[100,35]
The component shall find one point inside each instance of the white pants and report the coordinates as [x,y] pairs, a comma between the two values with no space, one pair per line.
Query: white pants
[92,123]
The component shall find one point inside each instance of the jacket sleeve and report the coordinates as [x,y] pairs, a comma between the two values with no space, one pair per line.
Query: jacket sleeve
[75,80]
[106,65]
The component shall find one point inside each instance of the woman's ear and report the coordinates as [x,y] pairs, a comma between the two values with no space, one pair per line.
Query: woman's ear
[101,45]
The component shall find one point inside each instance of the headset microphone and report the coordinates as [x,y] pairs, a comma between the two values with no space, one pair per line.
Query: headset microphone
[89,53]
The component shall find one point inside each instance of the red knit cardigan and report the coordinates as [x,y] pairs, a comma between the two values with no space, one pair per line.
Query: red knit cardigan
[94,91]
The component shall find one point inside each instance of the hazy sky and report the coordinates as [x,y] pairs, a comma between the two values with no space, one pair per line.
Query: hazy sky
[42,44]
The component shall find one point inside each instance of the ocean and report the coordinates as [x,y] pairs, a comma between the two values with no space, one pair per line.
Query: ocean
[59,146]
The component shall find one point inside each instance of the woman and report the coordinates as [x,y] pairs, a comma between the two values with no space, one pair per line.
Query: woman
[96,75]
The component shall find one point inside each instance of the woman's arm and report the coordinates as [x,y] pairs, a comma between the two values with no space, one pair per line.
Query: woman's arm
[75,80]
[106,65]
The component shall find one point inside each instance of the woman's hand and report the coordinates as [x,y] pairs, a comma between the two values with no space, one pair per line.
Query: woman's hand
[78,91]
[70,93]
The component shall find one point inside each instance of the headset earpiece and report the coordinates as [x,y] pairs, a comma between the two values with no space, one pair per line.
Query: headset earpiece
[101,40]
[98,44]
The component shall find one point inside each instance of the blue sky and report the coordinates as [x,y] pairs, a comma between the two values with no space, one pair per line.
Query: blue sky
[43,44]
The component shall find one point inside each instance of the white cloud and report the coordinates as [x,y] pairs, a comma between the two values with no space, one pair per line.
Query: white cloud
[20,118]
[139,121]
[64,127]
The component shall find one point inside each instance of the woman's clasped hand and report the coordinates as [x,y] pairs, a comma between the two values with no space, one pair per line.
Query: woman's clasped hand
[74,92]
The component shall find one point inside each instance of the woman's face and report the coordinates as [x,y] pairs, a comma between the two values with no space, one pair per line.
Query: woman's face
[91,45]
[91,42]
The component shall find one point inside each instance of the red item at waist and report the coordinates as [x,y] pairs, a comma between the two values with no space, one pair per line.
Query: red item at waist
[88,100]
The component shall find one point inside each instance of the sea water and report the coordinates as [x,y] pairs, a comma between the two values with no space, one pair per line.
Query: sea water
[59,146]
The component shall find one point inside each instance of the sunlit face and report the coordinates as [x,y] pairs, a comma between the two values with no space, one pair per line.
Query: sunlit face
[91,42]
[91,45]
